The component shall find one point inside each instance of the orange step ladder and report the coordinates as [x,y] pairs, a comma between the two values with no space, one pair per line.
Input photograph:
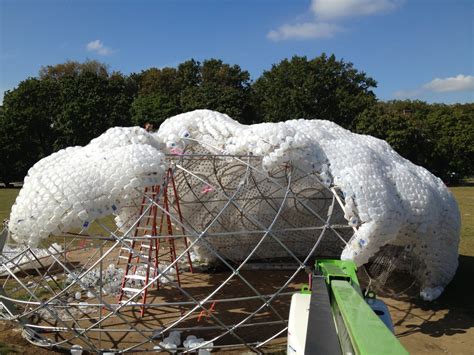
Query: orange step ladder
[144,264]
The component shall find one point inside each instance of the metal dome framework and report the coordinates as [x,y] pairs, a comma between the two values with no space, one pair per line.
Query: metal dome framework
[263,229]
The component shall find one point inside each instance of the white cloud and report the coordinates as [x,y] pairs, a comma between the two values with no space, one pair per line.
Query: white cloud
[332,9]
[454,83]
[305,30]
[98,47]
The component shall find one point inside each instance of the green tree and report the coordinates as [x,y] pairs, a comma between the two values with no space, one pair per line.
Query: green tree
[27,126]
[69,104]
[90,104]
[451,128]
[322,88]
[155,80]
[401,124]
[193,85]
[158,96]
[438,137]
[216,86]
[72,68]
[153,108]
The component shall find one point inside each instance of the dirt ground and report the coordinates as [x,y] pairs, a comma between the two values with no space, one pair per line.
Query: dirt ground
[445,326]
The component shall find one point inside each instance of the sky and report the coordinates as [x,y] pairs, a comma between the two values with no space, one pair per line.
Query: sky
[415,49]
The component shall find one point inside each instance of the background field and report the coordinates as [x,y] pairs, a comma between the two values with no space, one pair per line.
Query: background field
[465,197]
[445,326]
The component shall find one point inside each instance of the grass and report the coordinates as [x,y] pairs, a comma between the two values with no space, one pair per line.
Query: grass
[465,197]
[463,194]
[7,198]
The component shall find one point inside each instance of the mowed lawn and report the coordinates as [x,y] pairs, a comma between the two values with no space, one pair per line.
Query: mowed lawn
[464,195]
[7,198]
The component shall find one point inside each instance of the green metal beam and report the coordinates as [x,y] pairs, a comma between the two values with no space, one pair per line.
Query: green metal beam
[360,330]
[338,270]
[368,334]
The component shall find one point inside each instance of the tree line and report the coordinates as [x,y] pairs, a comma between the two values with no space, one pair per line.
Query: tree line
[71,103]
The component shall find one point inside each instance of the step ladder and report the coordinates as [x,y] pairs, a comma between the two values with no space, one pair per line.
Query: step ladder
[144,264]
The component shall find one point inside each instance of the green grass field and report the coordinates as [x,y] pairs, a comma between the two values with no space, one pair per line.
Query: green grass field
[464,195]
[7,198]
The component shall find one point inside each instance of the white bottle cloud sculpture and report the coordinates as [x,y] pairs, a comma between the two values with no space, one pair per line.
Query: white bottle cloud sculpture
[386,199]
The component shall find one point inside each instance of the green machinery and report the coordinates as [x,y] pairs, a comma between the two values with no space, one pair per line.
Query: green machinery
[335,317]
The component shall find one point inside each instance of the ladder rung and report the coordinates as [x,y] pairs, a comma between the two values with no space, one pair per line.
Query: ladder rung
[144,228]
[123,257]
[131,303]
[131,264]
[145,246]
[136,264]
[131,289]
[135,277]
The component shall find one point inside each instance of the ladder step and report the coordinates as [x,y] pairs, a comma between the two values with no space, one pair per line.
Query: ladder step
[135,277]
[131,289]
[131,264]
[131,303]
[123,257]
[136,264]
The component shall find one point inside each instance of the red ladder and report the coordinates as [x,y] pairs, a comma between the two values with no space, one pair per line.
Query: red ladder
[153,257]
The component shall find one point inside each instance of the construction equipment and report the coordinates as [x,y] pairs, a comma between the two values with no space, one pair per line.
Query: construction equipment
[332,316]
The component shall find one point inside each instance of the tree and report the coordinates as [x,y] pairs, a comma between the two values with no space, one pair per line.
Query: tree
[73,68]
[322,88]
[216,86]
[400,123]
[438,137]
[155,80]
[212,85]
[90,100]
[451,128]
[69,104]
[153,108]
[26,126]
[90,104]
[158,96]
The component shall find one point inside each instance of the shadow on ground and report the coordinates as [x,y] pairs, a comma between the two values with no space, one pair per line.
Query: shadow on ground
[451,314]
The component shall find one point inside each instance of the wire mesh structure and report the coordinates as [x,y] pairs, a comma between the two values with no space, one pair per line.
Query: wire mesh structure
[253,236]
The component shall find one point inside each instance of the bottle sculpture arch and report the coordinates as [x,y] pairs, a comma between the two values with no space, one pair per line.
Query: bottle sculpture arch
[260,194]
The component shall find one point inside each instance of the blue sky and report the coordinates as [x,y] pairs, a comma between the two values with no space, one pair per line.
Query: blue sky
[418,49]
